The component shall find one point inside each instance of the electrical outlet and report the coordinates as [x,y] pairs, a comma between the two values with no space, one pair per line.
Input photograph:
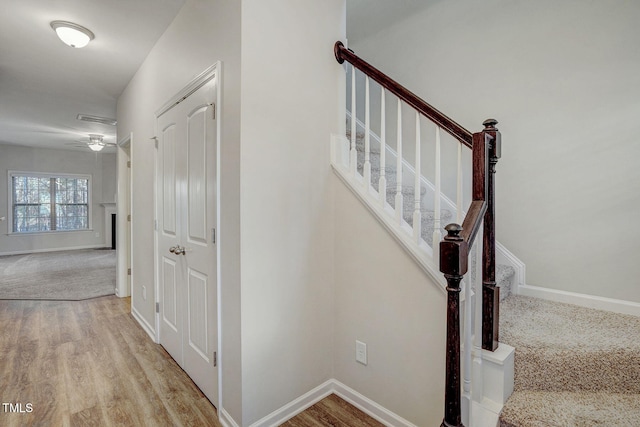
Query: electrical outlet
[144,293]
[361,352]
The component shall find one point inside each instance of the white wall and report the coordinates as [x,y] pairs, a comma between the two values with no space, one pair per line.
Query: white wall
[289,323]
[561,77]
[109,177]
[384,299]
[290,84]
[30,159]
[202,33]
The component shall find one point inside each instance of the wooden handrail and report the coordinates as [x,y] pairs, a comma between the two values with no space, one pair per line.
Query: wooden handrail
[473,220]
[454,129]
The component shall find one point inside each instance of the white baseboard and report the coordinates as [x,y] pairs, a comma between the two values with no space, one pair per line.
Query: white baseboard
[298,405]
[143,323]
[369,407]
[225,419]
[34,251]
[584,300]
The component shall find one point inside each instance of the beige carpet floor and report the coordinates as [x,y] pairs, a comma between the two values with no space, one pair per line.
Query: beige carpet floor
[574,366]
[64,275]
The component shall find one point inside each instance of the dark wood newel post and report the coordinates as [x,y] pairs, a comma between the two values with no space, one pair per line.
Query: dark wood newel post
[453,263]
[490,292]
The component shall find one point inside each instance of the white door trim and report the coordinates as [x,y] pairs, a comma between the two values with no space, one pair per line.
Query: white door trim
[195,84]
[124,182]
[214,71]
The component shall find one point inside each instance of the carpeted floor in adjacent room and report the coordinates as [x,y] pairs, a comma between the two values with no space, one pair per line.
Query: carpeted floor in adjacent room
[65,275]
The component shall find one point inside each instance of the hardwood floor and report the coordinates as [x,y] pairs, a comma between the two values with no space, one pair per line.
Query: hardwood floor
[332,411]
[88,363]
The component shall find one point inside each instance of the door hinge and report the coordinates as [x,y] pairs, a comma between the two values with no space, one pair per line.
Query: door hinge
[215,359]
[213,236]
[213,111]
[128,163]
[155,224]
[157,307]
[128,272]
[128,217]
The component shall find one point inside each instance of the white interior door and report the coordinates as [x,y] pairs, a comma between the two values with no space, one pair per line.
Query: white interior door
[187,194]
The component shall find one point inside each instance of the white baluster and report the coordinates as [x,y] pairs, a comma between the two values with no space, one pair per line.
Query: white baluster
[382,184]
[417,215]
[366,171]
[459,217]
[436,203]
[353,155]
[399,200]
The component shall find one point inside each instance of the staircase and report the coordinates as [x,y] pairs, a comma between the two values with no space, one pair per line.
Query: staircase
[505,274]
[452,241]
[574,366]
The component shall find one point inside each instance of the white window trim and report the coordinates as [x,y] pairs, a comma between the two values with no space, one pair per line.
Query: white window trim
[12,173]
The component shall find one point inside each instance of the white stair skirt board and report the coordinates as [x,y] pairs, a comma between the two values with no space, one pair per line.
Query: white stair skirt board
[583,300]
[421,253]
[498,373]
[332,386]
[498,376]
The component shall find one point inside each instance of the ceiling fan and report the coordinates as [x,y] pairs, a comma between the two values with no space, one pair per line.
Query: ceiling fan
[96,143]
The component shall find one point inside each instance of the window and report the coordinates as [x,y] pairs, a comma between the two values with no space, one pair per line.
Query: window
[49,203]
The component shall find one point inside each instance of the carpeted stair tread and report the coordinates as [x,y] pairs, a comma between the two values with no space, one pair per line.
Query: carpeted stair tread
[570,409]
[573,362]
[567,347]
[505,275]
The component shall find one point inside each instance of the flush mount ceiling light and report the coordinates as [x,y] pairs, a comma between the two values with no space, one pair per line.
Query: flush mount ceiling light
[71,34]
[95,142]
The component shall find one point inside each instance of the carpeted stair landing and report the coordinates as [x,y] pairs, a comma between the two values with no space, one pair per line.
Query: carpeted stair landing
[574,366]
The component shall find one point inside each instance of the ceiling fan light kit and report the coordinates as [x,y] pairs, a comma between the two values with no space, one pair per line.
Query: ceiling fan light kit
[71,34]
[95,142]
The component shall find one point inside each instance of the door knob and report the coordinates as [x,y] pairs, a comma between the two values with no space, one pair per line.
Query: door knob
[172,249]
[180,250]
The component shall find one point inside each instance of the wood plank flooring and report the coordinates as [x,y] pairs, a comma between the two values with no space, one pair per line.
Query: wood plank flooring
[332,411]
[89,363]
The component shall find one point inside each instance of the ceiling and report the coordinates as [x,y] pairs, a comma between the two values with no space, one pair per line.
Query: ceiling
[44,84]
